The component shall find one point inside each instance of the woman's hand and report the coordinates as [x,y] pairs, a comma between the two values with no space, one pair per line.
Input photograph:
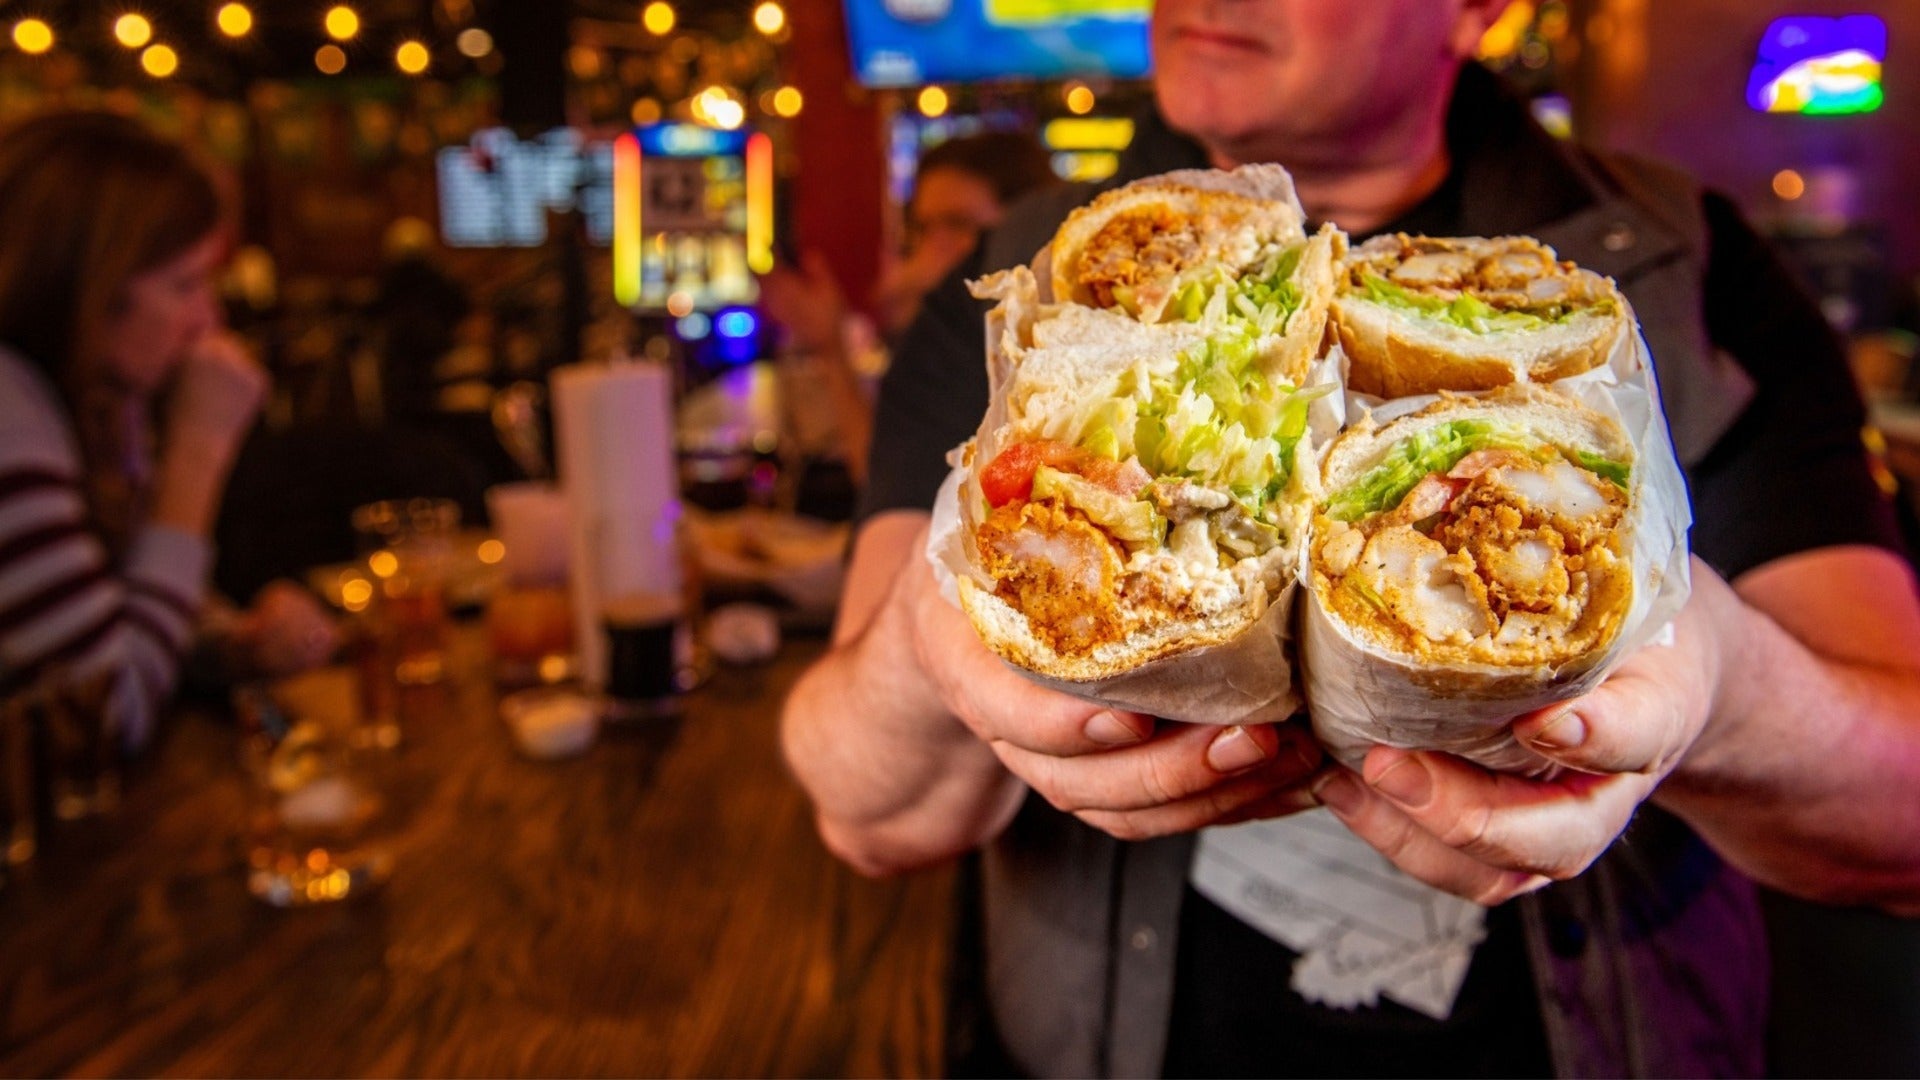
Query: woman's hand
[286,630]
[217,391]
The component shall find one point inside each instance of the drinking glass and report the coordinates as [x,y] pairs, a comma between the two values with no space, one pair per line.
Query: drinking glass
[408,545]
[530,615]
[316,805]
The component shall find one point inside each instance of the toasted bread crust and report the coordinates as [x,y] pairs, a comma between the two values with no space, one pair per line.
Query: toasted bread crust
[1396,353]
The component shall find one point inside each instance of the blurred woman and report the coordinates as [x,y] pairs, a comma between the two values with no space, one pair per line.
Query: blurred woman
[961,189]
[122,405]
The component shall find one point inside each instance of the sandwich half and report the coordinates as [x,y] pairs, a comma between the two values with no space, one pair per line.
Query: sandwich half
[1141,485]
[1422,314]
[1486,542]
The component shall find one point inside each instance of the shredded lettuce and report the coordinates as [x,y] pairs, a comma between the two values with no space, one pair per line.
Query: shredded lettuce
[1219,419]
[1410,460]
[1469,312]
[1134,521]
[1617,471]
[1437,450]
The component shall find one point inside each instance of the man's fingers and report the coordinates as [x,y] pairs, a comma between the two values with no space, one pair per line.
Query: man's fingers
[1183,762]
[1638,721]
[1553,828]
[999,705]
[1417,853]
[1273,790]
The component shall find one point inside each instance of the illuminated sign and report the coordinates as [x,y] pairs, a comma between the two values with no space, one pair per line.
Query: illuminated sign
[693,211]
[626,219]
[1088,133]
[689,140]
[1819,66]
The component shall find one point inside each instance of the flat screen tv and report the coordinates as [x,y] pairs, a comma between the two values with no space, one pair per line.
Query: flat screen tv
[910,42]
[496,191]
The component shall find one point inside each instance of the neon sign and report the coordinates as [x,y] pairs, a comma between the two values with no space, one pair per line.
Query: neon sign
[1819,66]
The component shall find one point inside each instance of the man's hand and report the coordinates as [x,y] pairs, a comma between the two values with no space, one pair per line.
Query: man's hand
[1121,772]
[1488,836]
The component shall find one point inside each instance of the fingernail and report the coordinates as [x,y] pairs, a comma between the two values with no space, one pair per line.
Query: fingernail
[1338,791]
[1108,729]
[1406,782]
[1233,750]
[1563,732]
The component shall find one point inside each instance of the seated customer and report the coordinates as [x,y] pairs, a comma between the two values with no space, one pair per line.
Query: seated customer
[121,406]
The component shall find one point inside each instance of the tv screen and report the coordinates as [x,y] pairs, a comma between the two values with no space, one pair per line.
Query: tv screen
[496,191]
[909,42]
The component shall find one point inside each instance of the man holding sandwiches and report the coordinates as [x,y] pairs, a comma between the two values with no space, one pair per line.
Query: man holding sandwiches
[1774,740]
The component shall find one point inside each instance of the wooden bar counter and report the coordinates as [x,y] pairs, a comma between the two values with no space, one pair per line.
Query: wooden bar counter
[657,907]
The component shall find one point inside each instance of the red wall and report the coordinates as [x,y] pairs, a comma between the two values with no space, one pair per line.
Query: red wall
[837,187]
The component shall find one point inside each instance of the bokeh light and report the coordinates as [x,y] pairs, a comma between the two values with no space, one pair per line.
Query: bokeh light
[330,59]
[132,30]
[159,61]
[32,36]
[474,43]
[769,18]
[342,22]
[412,57]
[234,20]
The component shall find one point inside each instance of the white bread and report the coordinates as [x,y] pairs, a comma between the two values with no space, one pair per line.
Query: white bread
[1552,416]
[1397,353]
[1237,215]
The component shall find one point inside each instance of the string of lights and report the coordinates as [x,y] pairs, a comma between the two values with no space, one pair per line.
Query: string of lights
[711,63]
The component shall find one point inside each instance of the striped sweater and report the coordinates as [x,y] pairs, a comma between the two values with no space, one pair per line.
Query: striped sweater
[66,610]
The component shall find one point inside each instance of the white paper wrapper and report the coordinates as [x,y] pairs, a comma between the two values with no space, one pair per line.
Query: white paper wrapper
[1248,680]
[1360,696]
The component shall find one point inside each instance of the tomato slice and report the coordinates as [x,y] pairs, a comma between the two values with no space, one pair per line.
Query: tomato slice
[1009,476]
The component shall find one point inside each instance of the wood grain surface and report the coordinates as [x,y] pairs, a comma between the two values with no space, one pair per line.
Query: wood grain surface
[657,907]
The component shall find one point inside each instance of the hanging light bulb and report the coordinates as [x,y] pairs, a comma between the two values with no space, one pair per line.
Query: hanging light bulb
[412,57]
[234,20]
[933,102]
[658,18]
[32,36]
[769,17]
[159,61]
[342,22]
[132,30]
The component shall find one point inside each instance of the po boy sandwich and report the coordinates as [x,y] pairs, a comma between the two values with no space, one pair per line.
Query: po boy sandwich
[1421,314]
[1469,562]
[1141,487]
[1481,532]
